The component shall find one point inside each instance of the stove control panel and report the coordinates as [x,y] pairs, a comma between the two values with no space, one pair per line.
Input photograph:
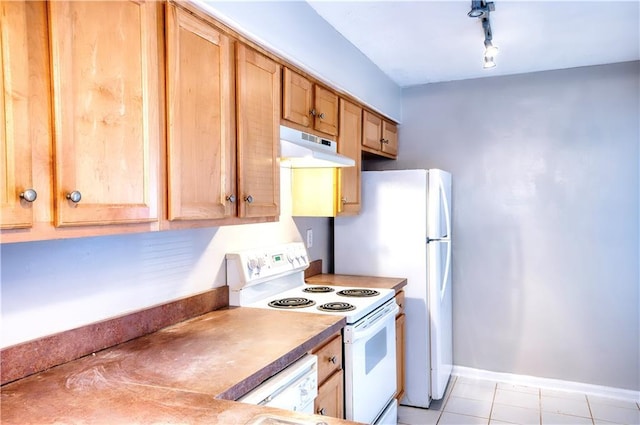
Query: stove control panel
[252,266]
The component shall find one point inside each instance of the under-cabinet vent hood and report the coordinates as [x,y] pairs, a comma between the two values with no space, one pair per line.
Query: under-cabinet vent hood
[303,150]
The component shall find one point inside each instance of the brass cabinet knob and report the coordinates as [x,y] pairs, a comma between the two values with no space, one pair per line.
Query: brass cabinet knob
[74,196]
[29,195]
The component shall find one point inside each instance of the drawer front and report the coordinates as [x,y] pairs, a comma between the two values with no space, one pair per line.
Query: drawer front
[400,302]
[329,358]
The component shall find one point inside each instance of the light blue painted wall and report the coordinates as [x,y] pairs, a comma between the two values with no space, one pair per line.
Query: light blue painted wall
[294,31]
[546,217]
[52,286]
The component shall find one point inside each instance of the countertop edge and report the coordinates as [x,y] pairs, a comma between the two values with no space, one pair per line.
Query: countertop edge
[270,369]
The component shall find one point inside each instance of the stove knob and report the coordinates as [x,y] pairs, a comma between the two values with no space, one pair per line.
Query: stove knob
[252,263]
[262,262]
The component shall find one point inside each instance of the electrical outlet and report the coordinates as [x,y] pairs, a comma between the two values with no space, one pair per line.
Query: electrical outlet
[309,238]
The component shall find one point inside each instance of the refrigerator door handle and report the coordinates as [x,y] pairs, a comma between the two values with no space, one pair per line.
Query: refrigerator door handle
[445,201]
[445,275]
[443,238]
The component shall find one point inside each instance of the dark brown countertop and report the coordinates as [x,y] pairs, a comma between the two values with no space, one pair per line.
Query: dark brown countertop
[178,374]
[395,283]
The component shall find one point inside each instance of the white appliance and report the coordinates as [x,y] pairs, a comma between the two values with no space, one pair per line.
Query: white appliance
[304,150]
[273,277]
[295,388]
[404,230]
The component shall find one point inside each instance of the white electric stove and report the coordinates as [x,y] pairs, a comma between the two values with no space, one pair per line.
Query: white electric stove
[273,278]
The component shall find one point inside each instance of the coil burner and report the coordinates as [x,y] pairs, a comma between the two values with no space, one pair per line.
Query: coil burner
[297,302]
[336,306]
[360,292]
[317,289]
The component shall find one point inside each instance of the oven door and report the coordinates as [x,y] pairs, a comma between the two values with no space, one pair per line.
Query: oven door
[370,364]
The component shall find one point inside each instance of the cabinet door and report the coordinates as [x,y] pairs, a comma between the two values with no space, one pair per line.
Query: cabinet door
[326,105]
[400,344]
[258,98]
[200,113]
[106,111]
[389,138]
[330,399]
[349,145]
[15,138]
[297,93]
[371,130]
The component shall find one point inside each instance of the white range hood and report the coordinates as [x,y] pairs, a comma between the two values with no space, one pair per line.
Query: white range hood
[303,150]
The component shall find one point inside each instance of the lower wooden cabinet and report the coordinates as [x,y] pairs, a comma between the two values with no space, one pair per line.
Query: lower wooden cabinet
[330,399]
[400,344]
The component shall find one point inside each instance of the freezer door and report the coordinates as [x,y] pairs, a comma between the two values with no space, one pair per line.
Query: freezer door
[439,205]
[440,312]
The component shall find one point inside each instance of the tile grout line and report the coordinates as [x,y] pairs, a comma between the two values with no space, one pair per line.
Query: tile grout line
[593,420]
[493,402]
[446,401]
[540,405]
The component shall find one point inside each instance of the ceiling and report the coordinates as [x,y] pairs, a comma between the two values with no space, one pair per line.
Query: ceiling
[418,42]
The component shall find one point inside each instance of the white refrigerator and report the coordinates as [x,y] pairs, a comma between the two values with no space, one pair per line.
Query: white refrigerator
[404,230]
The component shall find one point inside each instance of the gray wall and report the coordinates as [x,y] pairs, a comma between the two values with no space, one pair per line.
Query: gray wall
[545,206]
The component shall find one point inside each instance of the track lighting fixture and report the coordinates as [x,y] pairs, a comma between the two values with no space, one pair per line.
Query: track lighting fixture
[480,9]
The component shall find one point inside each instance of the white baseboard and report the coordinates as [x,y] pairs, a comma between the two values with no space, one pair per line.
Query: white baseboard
[551,384]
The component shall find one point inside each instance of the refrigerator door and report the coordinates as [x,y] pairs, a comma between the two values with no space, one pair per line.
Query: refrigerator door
[440,309]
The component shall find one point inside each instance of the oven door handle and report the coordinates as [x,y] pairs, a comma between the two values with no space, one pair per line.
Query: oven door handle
[372,326]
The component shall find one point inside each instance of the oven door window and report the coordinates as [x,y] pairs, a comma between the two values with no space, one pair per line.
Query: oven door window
[375,350]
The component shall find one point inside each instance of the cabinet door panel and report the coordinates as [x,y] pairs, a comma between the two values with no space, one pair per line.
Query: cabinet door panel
[296,98]
[390,135]
[106,120]
[349,145]
[371,130]
[15,138]
[330,399]
[200,111]
[258,97]
[326,119]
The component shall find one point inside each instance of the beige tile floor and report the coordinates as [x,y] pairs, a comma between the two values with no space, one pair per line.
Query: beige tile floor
[469,402]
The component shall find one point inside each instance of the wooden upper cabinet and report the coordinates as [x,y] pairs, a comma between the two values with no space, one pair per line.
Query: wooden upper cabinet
[107,131]
[15,138]
[349,145]
[326,111]
[258,132]
[308,105]
[200,119]
[297,98]
[379,136]
[389,138]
